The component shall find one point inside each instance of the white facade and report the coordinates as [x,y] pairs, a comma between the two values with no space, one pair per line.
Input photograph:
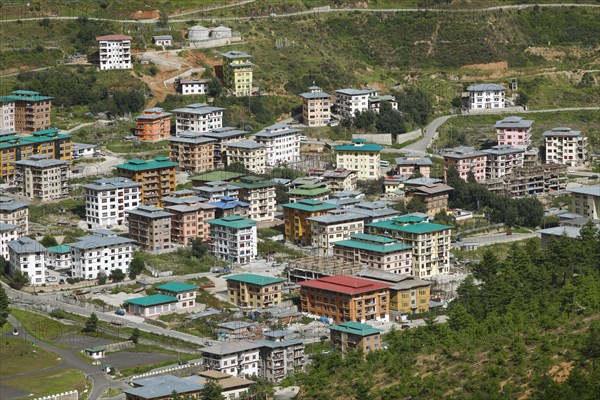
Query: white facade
[15,212]
[237,359]
[7,115]
[28,256]
[198,118]
[486,96]
[234,239]
[108,200]
[101,251]
[193,86]
[282,144]
[8,233]
[58,260]
[349,101]
[565,146]
[330,228]
[115,52]
[166,40]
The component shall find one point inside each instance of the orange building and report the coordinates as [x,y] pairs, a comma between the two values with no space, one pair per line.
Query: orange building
[154,124]
[344,298]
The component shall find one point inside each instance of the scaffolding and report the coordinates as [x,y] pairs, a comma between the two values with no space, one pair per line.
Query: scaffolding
[314,267]
[532,180]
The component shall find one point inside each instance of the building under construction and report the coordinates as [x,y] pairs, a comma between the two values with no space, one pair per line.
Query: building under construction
[303,269]
[531,180]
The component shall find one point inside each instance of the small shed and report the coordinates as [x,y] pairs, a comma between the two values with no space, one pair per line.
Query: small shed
[151,306]
[163,40]
[95,352]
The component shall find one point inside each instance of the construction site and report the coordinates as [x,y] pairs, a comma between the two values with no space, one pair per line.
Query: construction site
[531,180]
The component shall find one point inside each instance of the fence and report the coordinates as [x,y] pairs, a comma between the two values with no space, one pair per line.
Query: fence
[112,347]
[88,306]
[188,368]
[72,395]
[156,273]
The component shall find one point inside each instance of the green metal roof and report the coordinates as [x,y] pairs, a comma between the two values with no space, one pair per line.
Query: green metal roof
[26,95]
[216,176]
[253,182]
[176,287]
[62,248]
[372,238]
[409,218]
[310,205]
[378,248]
[358,145]
[309,190]
[355,328]
[47,135]
[254,279]
[155,299]
[419,228]
[233,221]
[143,165]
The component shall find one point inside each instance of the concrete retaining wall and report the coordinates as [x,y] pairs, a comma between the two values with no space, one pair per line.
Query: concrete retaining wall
[405,137]
[157,60]
[205,44]
[185,74]
[72,395]
[387,139]
[112,347]
[181,370]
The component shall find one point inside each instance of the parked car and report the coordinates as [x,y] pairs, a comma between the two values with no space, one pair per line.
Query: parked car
[508,233]
[303,138]
[384,164]
[51,279]
[120,312]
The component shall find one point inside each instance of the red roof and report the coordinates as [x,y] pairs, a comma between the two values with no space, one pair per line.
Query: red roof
[345,284]
[114,37]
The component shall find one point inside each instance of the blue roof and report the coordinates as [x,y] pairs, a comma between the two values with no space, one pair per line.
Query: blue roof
[227,202]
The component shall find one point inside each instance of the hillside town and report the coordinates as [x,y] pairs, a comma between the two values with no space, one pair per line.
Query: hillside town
[258,248]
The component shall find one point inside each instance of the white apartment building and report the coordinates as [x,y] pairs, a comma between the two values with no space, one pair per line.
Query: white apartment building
[514,131]
[502,160]
[28,256]
[235,358]
[223,136]
[486,96]
[334,227]
[282,144]
[104,251]
[233,239]
[361,157]
[15,212]
[349,101]
[108,199]
[8,233]
[376,101]
[59,257]
[250,154]
[198,117]
[213,191]
[115,52]
[41,178]
[193,86]
[565,146]
[7,114]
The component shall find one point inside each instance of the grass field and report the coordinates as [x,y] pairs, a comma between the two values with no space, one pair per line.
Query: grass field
[41,327]
[19,356]
[180,261]
[51,382]
[501,250]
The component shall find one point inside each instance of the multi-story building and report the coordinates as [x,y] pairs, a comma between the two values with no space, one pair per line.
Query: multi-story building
[296,217]
[42,178]
[8,233]
[192,151]
[486,96]
[28,257]
[408,295]
[150,227]
[233,239]
[565,146]
[311,191]
[157,177]
[193,86]
[502,160]
[184,292]
[345,298]
[254,291]
[215,190]
[354,336]
[250,154]
[434,196]
[373,211]
[586,201]
[333,227]
[377,252]
[115,52]
[260,194]
[279,358]
[349,101]
[154,124]
[514,131]
[107,200]
[376,101]
[229,206]
[7,114]
[237,72]
[31,111]
[198,117]
[238,358]
[14,148]
[531,180]
[361,157]
[282,144]
[188,221]
[340,179]
[15,212]
[430,242]
[413,164]
[316,107]
[466,160]
[58,258]
[103,251]
[223,136]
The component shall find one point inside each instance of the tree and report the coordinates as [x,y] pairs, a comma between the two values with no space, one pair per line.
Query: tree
[117,275]
[415,104]
[19,280]
[136,267]
[91,324]
[4,310]
[212,391]
[389,120]
[135,335]
[102,278]
[237,167]
[215,88]
[199,248]
[364,120]
[522,99]
[163,18]
[48,241]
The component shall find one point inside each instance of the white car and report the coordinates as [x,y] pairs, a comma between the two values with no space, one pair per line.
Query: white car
[303,138]
[384,164]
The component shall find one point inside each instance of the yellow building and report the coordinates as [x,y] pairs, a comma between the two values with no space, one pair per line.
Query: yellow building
[48,142]
[157,178]
[296,217]
[316,107]
[361,157]
[256,291]
[250,154]
[237,72]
